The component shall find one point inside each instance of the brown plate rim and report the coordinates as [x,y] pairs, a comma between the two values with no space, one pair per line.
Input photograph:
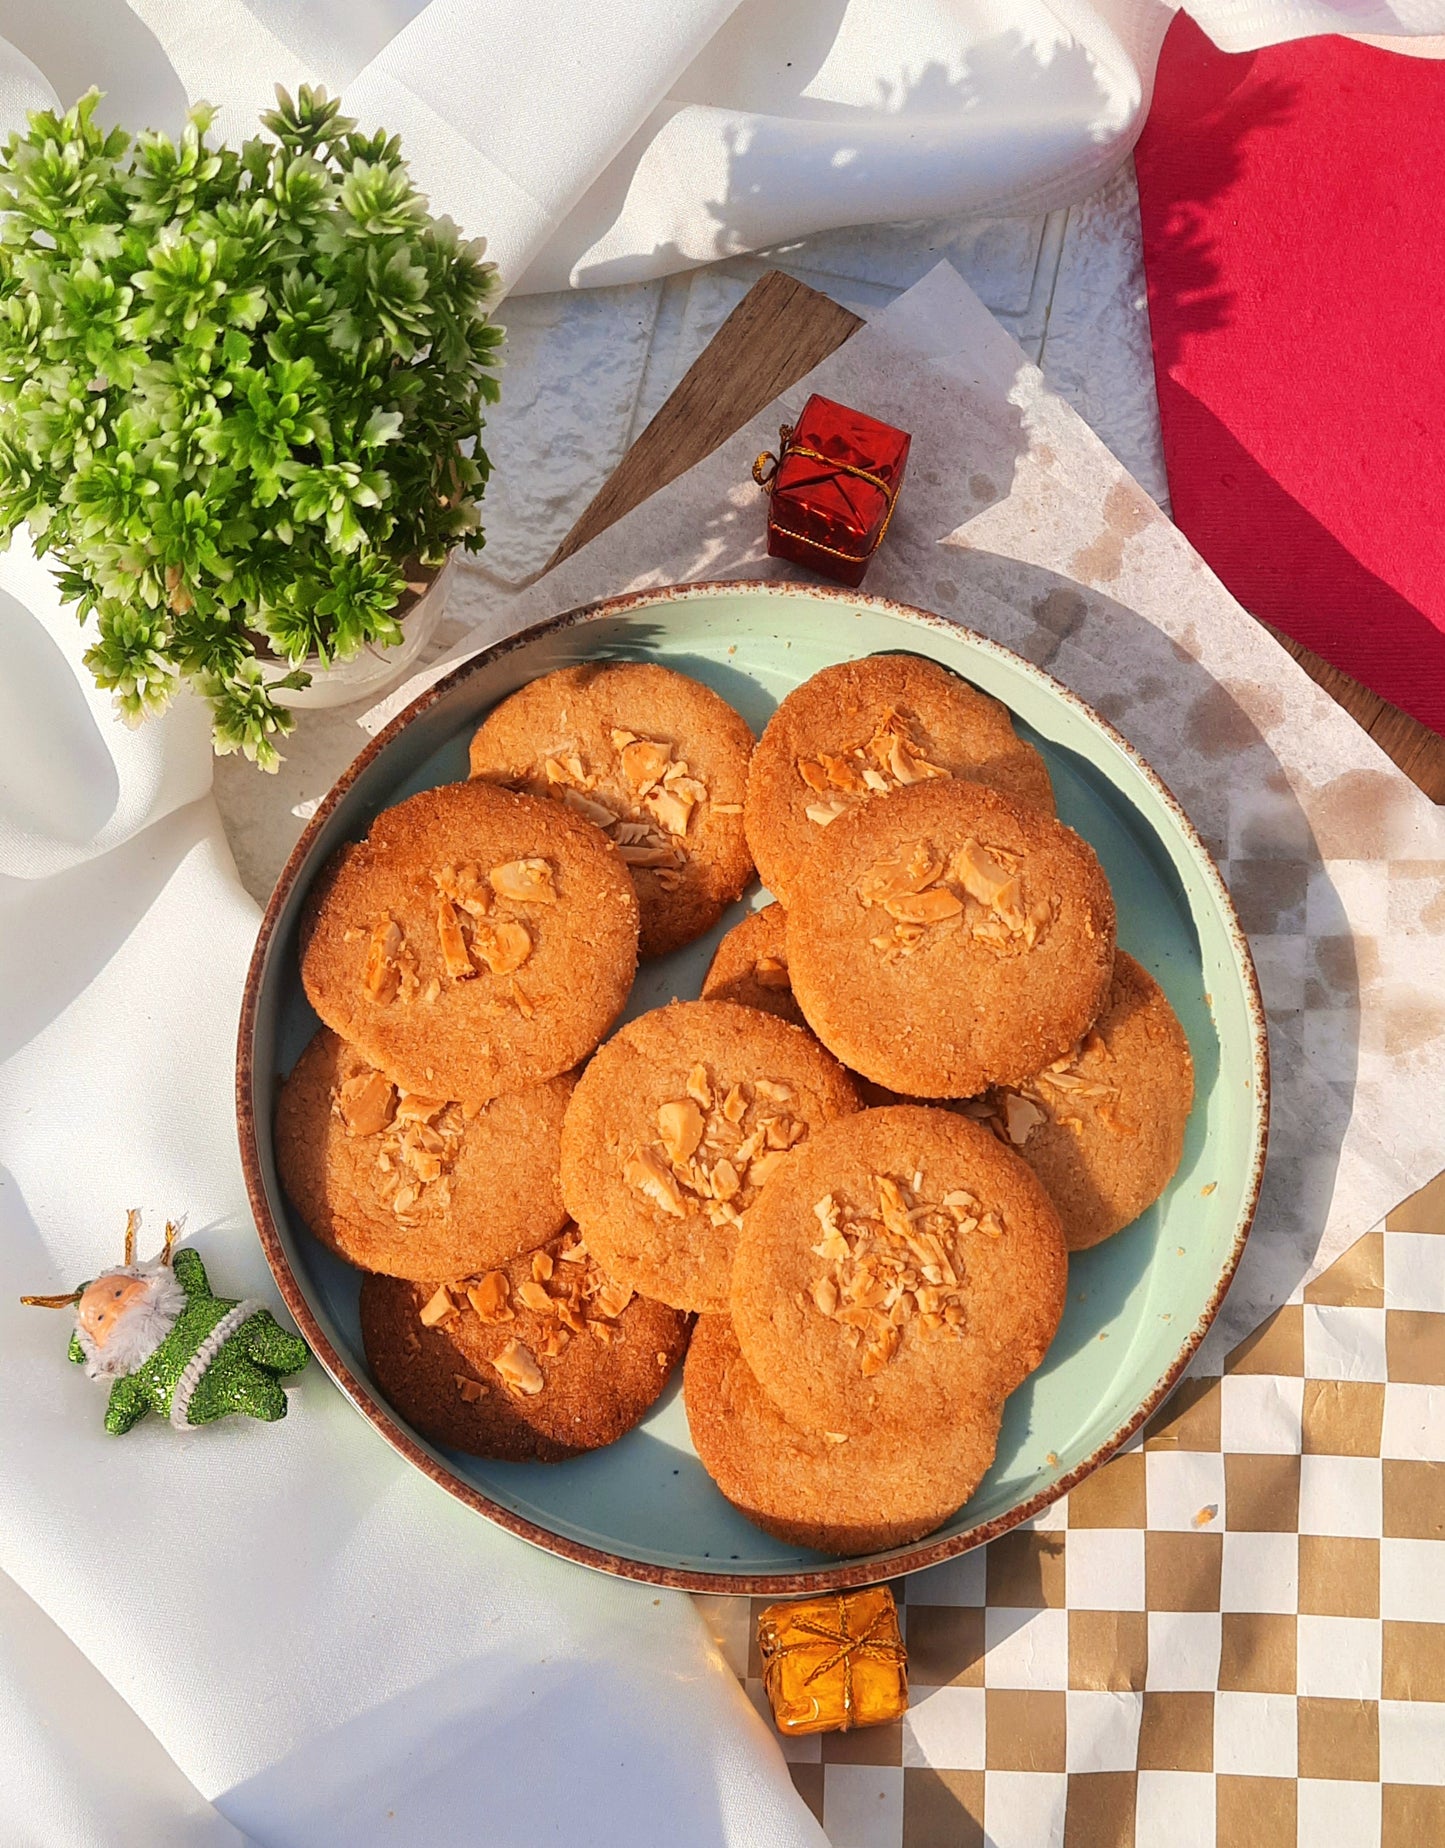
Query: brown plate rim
[847,1573]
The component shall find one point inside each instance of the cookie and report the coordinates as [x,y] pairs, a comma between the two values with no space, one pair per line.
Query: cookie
[750,966]
[476,942]
[658,761]
[867,728]
[950,938]
[543,1358]
[672,1129]
[412,1186]
[1103,1127]
[860,1496]
[900,1271]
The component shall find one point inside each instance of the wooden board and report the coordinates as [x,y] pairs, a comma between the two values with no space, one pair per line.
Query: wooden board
[778,332]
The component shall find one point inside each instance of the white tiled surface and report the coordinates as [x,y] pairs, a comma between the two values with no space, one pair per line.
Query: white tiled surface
[586,370]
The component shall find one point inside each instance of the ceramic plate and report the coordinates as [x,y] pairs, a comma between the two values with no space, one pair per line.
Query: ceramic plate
[1138,1304]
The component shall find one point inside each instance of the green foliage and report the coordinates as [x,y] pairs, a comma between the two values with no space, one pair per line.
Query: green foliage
[240,391]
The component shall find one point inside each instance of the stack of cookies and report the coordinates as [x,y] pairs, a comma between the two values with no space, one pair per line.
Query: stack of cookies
[466,959]
[541,1220]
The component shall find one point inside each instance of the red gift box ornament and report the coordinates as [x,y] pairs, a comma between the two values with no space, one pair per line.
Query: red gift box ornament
[832,488]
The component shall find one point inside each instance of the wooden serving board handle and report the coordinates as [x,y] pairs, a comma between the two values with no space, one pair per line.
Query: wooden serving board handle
[778,332]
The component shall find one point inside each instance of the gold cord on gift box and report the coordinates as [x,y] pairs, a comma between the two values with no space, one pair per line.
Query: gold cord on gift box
[808,1631]
[765,473]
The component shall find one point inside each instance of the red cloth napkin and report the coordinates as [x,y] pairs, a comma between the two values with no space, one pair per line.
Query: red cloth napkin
[1293,202]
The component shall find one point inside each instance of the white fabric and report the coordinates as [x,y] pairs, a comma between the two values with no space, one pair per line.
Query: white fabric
[599,143]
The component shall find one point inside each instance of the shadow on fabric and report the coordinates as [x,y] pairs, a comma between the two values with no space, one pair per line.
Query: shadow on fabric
[813,142]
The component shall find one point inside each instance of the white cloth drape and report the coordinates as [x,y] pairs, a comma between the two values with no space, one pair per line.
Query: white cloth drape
[331,1650]
[596,143]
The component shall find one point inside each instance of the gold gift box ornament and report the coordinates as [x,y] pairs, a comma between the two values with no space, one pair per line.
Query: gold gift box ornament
[830,1664]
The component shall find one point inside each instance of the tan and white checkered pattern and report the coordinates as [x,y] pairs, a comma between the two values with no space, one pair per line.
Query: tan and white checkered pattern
[1233,1634]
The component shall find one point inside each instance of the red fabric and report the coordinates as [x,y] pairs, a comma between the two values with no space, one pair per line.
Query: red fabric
[1293,203]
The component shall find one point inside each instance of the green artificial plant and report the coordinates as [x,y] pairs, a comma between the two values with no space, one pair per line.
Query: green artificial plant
[241,396]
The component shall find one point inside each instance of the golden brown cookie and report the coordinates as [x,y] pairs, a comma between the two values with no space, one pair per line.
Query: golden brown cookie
[1103,1127]
[672,1129]
[750,966]
[949,938]
[901,1270]
[543,1358]
[412,1186]
[477,941]
[657,760]
[868,728]
[860,1496]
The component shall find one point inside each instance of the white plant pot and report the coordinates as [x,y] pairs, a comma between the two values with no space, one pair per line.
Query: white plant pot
[375,670]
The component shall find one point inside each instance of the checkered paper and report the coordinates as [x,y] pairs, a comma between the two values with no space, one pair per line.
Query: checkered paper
[1230,1636]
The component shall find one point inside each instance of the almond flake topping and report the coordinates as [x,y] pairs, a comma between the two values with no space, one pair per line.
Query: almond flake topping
[679,1125]
[469,936]
[1021,1117]
[902,940]
[470,1390]
[891,759]
[596,812]
[930,907]
[384,965]
[906,874]
[821,813]
[517,1367]
[656,856]
[981,887]
[366,1103]
[727,1183]
[504,946]
[455,958]
[1083,1079]
[524,882]
[650,1174]
[490,1297]
[437,1307]
[670,808]
[643,761]
[466,888]
[762,1166]
[418,1147]
[644,801]
[611,1298]
[899,1264]
[715,1148]
[568,1293]
[982,876]
[565,771]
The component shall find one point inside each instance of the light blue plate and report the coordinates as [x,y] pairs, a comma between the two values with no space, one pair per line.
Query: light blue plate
[1138,1304]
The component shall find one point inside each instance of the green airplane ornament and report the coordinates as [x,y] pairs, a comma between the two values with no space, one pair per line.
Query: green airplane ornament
[166,1344]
